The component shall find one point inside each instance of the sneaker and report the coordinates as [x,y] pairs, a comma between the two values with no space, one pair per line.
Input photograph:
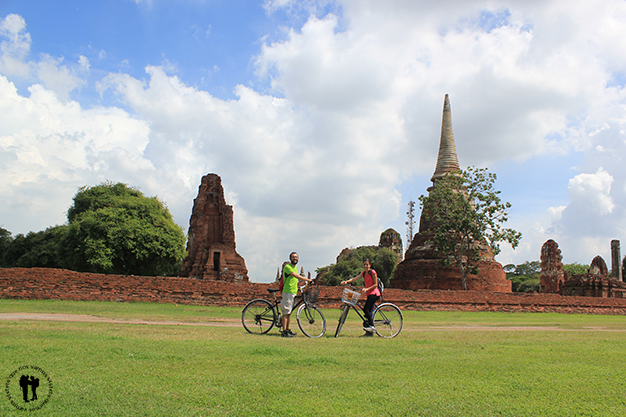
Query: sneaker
[368,334]
[286,334]
[290,332]
[369,329]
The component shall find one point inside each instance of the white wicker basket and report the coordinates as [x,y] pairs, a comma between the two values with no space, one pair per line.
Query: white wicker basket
[350,297]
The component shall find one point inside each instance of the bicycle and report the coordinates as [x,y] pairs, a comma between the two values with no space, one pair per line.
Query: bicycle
[259,316]
[387,316]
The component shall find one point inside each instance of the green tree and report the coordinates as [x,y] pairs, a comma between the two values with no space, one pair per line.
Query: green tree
[576,268]
[464,210]
[116,229]
[5,243]
[44,249]
[524,277]
[384,261]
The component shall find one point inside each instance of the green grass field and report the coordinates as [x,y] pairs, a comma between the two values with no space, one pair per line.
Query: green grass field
[442,364]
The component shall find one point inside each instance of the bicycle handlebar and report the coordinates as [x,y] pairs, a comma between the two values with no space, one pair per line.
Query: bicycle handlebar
[303,286]
[352,287]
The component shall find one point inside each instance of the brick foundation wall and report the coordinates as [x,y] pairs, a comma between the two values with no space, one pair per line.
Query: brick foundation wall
[43,283]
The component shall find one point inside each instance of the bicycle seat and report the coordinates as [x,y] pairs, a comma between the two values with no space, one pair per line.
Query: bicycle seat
[272,290]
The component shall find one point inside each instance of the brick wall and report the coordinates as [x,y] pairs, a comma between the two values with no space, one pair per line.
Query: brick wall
[43,283]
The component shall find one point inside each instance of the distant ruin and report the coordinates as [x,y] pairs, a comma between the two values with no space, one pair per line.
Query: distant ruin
[616,261]
[552,275]
[595,283]
[391,240]
[422,267]
[211,246]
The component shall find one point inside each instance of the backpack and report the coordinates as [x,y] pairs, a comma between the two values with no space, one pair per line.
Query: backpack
[281,282]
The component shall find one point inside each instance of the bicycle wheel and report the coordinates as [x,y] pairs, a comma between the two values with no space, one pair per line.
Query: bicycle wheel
[311,321]
[258,316]
[387,320]
[342,319]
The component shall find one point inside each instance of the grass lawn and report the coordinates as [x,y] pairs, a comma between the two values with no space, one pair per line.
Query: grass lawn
[442,364]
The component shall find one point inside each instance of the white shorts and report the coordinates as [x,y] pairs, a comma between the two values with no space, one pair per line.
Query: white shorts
[286,304]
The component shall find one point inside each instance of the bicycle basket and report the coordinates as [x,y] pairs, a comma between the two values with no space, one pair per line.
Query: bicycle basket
[350,297]
[311,295]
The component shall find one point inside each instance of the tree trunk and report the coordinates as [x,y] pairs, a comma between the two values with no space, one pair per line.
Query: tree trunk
[464,274]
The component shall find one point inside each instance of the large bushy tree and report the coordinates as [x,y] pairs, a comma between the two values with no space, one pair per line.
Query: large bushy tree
[116,229]
[383,260]
[464,210]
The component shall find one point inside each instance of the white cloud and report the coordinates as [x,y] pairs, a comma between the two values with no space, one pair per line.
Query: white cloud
[49,71]
[48,149]
[83,63]
[556,213]
[592,218]
[592,191]
[58,78]
[292,190]
[512,81]
[15,47]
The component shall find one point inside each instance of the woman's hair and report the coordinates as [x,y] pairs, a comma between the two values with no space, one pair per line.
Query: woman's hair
[367,260]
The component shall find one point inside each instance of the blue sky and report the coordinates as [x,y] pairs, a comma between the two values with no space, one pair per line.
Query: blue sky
[211,43]
[322,117]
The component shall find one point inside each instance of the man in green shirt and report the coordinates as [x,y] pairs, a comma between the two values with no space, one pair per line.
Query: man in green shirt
[290,289]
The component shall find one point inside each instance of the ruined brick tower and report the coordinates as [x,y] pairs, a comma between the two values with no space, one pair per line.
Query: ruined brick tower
[421,267]
[211,245]
[391,240]
[552,275]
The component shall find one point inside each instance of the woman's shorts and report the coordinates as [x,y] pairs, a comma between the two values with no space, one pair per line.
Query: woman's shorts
[286,304]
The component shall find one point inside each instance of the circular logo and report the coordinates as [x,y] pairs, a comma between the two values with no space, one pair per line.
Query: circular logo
[28,388]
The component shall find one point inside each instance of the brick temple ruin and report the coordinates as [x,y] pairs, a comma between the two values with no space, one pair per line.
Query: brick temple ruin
[211,248]
[597,282]
[422,267]
[552,275]
[391,240]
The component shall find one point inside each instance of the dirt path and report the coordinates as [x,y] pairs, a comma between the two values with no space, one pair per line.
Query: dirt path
[85,318]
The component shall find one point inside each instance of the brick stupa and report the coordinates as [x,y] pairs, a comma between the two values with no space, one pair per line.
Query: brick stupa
[211,245]
[421,267]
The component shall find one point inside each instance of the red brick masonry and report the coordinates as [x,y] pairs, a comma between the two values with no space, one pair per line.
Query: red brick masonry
[43,283]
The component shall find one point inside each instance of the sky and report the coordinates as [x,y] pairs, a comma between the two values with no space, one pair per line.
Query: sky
[322,117]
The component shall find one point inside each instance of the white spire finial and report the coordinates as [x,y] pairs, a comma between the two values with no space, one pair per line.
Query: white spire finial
[447,160]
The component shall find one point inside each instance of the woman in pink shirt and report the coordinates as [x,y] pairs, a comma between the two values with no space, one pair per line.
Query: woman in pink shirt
[370,277]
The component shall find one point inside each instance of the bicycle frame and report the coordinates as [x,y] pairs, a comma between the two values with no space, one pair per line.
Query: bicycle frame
[344,314]
[260,315]
[387,318]
[361,313]
[276,307]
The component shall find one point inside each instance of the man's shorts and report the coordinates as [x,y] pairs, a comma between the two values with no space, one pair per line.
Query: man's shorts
[286,304]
